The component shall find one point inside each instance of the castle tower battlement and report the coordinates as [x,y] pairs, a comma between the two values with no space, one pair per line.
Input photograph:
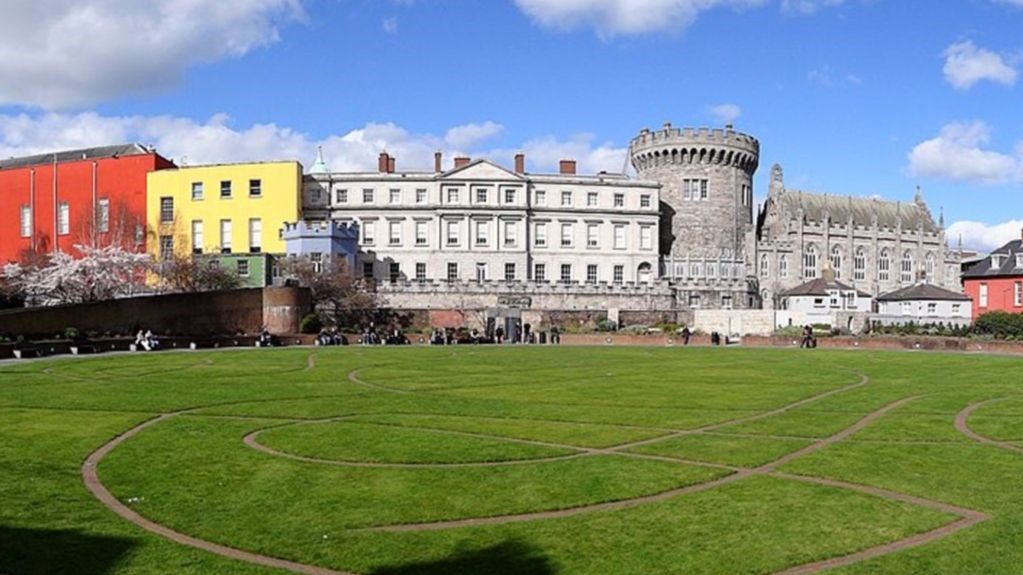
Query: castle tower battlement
[689,146]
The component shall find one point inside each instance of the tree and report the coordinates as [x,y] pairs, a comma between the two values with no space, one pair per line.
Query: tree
[100,273]
[195,274]
[338,297]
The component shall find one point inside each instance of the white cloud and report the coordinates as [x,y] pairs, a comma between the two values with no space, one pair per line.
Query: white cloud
[808,6]
[966,64]
[390,25]
[725,113]
[958,154]
[216,140]
[68,53]
[984,237]
[623,17]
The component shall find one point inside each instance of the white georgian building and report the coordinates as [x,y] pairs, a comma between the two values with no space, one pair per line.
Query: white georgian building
[481,222]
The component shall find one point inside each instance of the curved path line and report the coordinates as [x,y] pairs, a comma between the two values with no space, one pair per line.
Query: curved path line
[310,361]
[93,484]
[963,426]
[353,376]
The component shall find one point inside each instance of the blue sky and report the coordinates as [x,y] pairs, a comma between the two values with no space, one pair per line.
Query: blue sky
[866,97]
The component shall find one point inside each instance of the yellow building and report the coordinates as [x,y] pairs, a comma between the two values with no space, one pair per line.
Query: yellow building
[222,208]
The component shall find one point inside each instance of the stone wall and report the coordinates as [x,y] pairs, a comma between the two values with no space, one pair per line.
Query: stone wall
[734,321]
[222,312]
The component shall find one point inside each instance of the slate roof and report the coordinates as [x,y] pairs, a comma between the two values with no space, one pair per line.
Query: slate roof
[861,210]
[1008,254]
[75,155]
[923,292]
[820,287]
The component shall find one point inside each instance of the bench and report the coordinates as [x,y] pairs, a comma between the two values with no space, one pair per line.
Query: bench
[28,351]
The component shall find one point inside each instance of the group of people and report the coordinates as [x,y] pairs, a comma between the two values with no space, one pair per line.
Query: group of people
[392,337]
[330,337]
[146,340]
[809,340]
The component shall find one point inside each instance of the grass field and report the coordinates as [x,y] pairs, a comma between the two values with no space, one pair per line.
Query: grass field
[513,461]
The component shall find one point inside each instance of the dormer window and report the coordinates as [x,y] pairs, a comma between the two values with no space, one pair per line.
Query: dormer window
[1019,260]
[996,261]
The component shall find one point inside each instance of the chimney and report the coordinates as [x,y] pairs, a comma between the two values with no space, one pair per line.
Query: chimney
[520,163]
[567,167]
[438,158]
[384,163]
[390,164]
[462,161]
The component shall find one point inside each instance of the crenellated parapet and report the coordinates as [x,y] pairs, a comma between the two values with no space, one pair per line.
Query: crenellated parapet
[694,146]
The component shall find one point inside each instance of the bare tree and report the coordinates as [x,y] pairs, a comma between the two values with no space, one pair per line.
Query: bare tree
[195,274]
[338,296]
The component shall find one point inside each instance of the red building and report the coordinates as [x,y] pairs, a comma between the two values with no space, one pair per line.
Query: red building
[996,282]
[92,196]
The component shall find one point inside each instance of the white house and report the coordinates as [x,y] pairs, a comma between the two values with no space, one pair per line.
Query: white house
[823,301]
[924,304]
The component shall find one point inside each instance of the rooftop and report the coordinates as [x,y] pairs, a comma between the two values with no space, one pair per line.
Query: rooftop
[1010,262]
[76,155]
[821,287]
[861,211]
[923,292]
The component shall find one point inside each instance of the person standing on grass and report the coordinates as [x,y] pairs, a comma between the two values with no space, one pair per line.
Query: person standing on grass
[686,334]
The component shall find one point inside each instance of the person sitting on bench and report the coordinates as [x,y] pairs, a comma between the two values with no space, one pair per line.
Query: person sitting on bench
[265,339]
[150,342]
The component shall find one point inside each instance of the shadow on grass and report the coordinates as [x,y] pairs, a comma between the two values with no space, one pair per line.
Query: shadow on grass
[507,558]
[52,552]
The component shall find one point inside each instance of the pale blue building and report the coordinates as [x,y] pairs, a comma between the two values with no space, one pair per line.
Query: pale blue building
[322,240]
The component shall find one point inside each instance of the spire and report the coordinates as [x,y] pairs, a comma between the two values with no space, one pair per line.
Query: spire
[941,217]
[919,197]
[319,166]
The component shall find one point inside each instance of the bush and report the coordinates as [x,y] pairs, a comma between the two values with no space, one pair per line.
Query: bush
[310,324]
[607,325]
[1000,324]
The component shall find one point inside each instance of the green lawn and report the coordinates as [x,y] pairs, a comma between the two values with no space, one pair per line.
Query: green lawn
[512,460]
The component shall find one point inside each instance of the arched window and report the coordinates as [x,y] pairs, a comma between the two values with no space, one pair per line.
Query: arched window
[765,269]
[884,266]
[860,265]
[810,262]
[907,268]
[643,272]
[783,266]
[836,261]
[929,267]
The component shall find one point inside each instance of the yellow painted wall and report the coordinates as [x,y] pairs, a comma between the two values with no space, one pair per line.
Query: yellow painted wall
[279,202]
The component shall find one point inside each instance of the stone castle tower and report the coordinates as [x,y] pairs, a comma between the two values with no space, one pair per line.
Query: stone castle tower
[706,208]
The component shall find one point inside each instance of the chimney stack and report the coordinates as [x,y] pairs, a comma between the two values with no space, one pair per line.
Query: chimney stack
[567,167]
[520,163]
[438,158]
[384,163]
[390,164]
[462,161]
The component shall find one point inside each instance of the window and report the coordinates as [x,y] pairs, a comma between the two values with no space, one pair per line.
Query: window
[566,235]
[341,196]
[452,195]
[783,267]
[1017,294]
[687,190]
[369,232]
[539,272]
[420,196]
[541,235]
[317,259]
[566,199]
[884,266]
[618,275]
[644,201]
[166,210]
[695,270]
[420,272]
[255,190]
[541,198]
[255,235]
[196,190]
[394,233]
[566,273]
[765,266]
[646,235]
[956,308]
[166,248]
[907,268]
[394,272]
[367,270]
[225,189]
[929,267]
[481,272]
[726,301]
[619,237]
[64,219]
[26,221]
[482,233]
[509,272]
[367,196]
[745,195]
[452,271]
[197,236]
[695,190]
[836,261]
[932,309]
[242,267]
[103,215]
[452,233]
[619,200]
[481,195]
[591,274]
[421,233]
[314,196]
[703,190]
[592,235]
[140,234]
[810,262]
[860,265]
[694,301]
[983,295]
[225,236]
[509,234]
[394,197]
[509,196]
[591,199]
